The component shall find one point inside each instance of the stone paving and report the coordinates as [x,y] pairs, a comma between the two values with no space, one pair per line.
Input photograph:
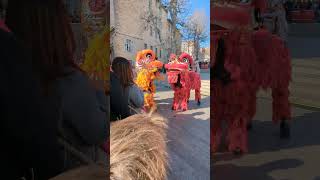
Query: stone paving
[271,158]
[188,135]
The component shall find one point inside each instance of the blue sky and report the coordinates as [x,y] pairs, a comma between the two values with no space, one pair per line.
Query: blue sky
[202,5]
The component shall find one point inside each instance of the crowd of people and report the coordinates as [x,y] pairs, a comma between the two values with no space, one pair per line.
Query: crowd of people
[49,106]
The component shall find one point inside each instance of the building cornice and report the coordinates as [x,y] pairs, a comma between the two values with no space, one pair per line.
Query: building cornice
[128,35]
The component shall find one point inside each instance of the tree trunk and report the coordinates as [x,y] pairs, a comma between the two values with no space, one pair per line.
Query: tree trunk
[173,13]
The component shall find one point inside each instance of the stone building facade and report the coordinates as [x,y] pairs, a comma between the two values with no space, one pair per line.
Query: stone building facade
[138,25]
[188,47]
[204,52]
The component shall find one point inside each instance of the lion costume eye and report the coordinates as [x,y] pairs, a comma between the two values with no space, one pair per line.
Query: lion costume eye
[149,56]
[186,60]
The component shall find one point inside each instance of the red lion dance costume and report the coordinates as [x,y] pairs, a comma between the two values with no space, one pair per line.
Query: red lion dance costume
[147,68]
[244,61]
[194,77]
[182,79]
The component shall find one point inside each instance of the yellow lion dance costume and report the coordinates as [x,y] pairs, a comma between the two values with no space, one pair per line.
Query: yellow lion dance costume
[147,68]
[97,59]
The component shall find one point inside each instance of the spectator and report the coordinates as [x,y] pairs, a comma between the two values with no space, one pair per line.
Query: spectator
[23,109]
[197,67]
[44,31]
[279,15]
[28,119]
[124,92]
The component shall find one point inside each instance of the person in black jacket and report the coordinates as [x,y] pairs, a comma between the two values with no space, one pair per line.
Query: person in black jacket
[28,118]
[44,32]
[124,93]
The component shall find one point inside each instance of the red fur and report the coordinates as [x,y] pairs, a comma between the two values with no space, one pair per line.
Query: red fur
[235,103]
[275,71]
[172,57]
[189,80]
[255,60]
[186,55]
[180,93]
[195,84]
[231,16]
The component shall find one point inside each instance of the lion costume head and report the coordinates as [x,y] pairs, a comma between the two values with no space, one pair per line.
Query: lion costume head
[144,57]
[187,59]
[148,71]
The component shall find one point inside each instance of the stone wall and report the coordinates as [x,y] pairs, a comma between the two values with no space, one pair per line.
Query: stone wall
[129,20]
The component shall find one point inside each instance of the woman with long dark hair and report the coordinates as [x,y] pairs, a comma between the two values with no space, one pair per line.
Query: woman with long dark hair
[43,29]
[124,93]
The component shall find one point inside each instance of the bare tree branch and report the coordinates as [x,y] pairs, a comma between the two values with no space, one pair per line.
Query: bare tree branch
[196,31]
[178,12]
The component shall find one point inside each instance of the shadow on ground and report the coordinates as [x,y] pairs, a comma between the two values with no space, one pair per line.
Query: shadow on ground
[304,132]
[304,47]
[167,103]
[232,172]
[264,137]
[189,137]
[264,142]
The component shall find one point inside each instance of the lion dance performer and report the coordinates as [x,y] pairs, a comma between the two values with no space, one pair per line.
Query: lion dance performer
[274,62]
[182,79]
[245,60]
[148,71]
[194,77]
[97,62]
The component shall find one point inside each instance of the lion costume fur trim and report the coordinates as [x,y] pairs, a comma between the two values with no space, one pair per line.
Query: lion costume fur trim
[147,73]
[143,54]
[138,148]
[186,55]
